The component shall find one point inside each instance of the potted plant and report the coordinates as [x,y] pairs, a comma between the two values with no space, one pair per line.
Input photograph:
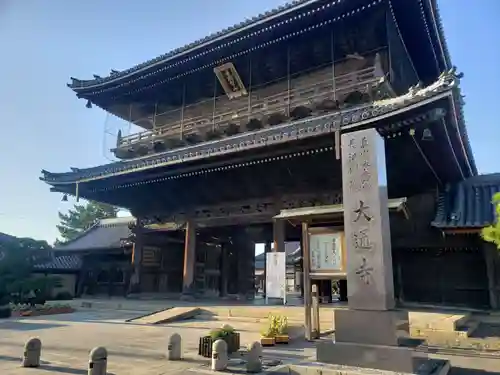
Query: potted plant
[282,330]
[226,333]
[268,335]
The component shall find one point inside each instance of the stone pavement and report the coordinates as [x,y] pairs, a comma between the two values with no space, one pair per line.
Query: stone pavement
[139,349]
[134,349]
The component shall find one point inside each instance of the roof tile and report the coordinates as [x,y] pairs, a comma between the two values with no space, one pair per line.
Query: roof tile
[467,204]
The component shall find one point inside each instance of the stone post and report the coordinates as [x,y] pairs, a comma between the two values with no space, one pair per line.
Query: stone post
[189,260]
[254,358]
[174,349]
[32,353]
[98,361]
[219,355]
[366,334]
[315,330]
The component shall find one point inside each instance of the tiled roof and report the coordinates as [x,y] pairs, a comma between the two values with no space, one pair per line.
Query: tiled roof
[105,234]
[273,24]
[467,204]
[61,262]
[250,24]
[309,127]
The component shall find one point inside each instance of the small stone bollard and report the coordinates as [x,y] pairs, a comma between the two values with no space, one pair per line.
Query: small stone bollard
[254,358]
[219,355]
[174,350]
[32,353]
[98,361]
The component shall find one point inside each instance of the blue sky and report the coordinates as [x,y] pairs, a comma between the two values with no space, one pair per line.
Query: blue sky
[43,43]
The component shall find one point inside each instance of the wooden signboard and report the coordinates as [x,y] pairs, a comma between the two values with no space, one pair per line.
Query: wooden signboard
[327,255]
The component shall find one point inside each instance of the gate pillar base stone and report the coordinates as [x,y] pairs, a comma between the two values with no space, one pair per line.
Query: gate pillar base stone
[431,366]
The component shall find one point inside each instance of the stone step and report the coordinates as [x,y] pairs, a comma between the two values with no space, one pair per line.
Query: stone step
[167,316]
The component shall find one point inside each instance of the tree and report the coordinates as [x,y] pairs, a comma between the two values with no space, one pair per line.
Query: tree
[80,217]
[19,256]
[491,233]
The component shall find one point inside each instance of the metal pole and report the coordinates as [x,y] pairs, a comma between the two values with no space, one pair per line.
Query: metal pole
[214,104]
[154,116]
[182,108]
[289,83]
[249,87]
[337,131]
[307,281]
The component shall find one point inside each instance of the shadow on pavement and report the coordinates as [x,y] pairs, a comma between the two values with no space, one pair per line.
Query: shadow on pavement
[19,325]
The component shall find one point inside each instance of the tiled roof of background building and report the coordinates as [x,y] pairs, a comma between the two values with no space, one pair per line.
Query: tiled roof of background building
[467,204]
[105,234]
[60,263]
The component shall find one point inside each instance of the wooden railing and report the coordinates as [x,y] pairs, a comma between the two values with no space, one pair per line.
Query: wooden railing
[240,111]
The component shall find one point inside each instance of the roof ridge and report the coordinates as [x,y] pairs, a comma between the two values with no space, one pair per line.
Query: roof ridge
[224,33]
[80,235]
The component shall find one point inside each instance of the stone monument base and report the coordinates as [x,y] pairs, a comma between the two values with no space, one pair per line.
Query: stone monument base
[376,357]
[431,367]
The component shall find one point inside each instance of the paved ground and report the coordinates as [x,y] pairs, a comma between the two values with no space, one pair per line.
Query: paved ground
[138,349]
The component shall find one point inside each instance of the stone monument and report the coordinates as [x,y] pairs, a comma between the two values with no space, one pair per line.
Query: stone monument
[366,334]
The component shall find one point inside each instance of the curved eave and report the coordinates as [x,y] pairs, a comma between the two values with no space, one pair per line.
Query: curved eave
[349,120]
[410,15]
[230,35]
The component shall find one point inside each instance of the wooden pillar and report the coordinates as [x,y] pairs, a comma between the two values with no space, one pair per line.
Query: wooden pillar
[492,259]
[279,236]
[307,281]
[267,249]
[189,259]
[224,268]
[137,255]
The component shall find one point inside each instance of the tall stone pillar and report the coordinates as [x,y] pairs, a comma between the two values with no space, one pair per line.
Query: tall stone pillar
[366,334]
[189,260]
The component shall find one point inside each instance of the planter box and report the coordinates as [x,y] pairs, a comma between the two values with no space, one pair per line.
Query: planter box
[282,339]
[205,345]
[267,341]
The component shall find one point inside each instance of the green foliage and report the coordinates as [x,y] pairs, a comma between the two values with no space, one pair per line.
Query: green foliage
[221,333]
[15,268]
[491,233]
[277,325]
[81,217]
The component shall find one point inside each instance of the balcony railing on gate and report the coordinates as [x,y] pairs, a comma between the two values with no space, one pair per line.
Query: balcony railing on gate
[305,92]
